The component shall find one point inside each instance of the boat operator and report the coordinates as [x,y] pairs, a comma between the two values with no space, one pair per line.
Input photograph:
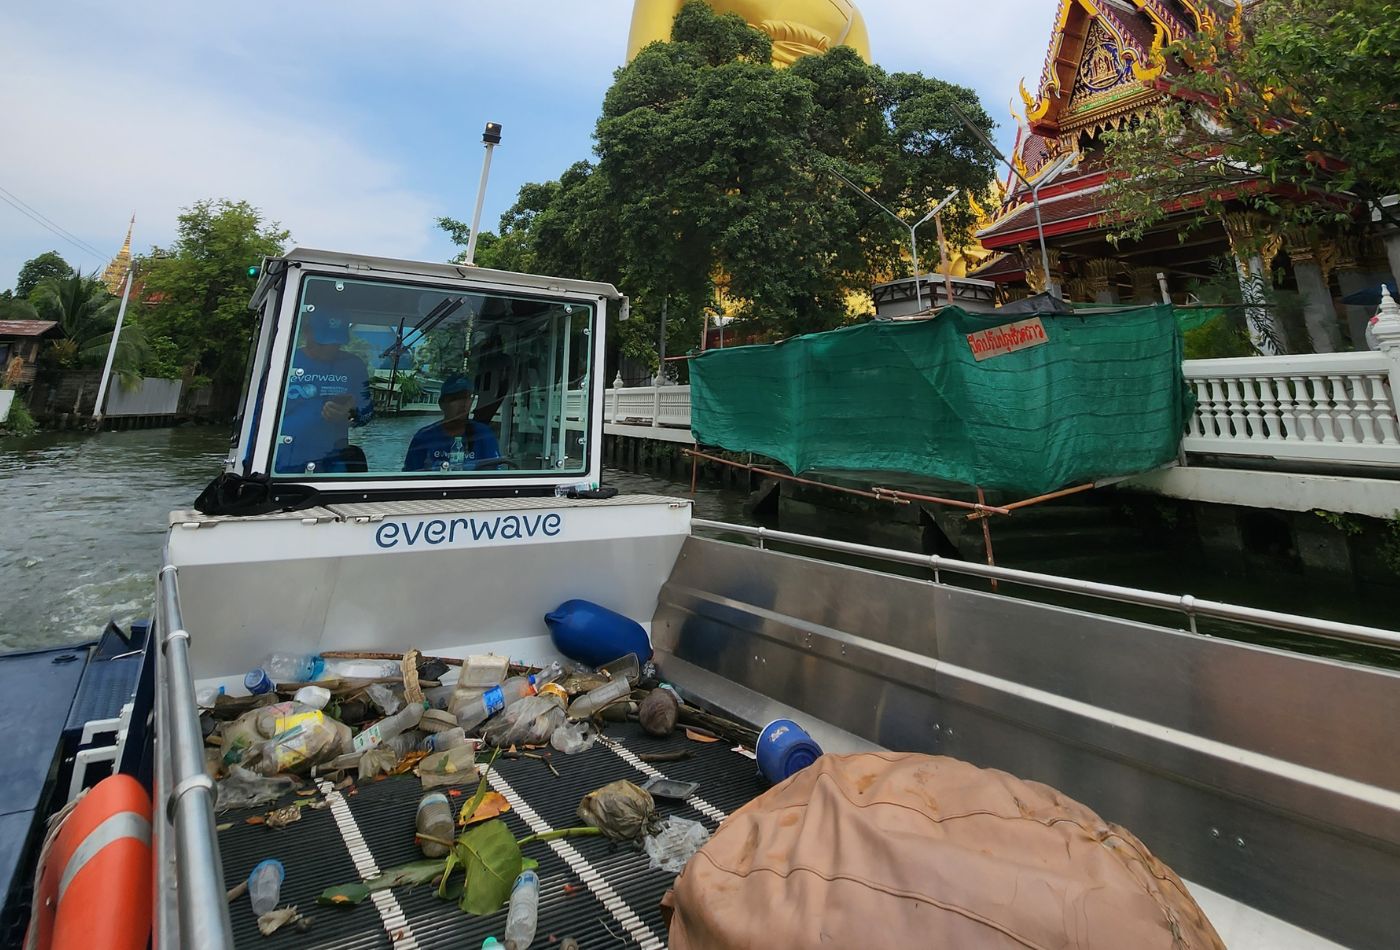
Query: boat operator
[328,391]
[457,442]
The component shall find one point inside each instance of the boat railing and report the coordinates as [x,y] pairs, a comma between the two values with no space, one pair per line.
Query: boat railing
[1193,608]
[187,848]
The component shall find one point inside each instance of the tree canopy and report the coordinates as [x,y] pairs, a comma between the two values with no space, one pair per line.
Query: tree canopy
[194,296]
[716,183]
[47,264]
[87,314]
[1291,112]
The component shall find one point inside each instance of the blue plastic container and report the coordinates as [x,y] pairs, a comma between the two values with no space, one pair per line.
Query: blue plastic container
[784,749]
[595,635]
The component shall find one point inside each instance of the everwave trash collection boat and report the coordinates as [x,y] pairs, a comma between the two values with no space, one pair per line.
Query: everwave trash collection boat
[415,480]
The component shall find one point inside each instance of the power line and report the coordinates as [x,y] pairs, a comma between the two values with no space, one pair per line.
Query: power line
[71,236]
[38,218]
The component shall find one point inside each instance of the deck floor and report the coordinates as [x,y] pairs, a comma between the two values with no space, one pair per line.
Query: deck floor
[620,907]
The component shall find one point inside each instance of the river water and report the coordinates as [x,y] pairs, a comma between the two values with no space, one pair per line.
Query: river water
[83,517]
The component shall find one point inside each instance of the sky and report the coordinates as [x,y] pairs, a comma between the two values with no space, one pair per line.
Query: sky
[355,124]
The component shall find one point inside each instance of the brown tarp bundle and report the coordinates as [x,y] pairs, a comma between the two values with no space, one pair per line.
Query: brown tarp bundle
[903,850]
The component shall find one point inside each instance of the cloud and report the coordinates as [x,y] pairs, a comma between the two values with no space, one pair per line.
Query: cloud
[352,123]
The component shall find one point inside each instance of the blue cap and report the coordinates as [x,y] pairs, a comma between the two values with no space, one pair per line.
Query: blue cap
[457,383]
[328,326]
[257,681]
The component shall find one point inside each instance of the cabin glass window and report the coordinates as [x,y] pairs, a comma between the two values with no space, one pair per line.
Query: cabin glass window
[405,381]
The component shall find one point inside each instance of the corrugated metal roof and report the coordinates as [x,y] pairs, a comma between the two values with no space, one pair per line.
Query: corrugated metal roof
[26,327]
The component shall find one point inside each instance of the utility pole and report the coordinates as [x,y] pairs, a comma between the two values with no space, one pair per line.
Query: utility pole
[491,138]
[111,353]
[1045,179]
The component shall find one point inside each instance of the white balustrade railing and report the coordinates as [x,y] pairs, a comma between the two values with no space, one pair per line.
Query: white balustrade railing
[1331,408]
[1326,408]
[656,406]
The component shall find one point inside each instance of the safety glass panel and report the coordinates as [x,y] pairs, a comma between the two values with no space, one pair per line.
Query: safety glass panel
[401,380]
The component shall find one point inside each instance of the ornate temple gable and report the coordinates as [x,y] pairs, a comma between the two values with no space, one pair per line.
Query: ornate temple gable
[1104,56]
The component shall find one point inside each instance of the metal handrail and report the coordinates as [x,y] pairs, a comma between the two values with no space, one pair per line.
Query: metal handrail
[189,806]
[1186,604]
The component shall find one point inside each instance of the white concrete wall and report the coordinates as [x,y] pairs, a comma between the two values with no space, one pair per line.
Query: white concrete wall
[154,397]
[7,398]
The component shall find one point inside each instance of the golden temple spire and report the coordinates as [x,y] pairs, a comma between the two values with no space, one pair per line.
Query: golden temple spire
[115,274]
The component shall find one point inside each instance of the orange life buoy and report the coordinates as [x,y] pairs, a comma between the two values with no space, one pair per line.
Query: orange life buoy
[95,886]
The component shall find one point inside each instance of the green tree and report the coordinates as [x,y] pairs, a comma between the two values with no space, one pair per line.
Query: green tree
[715,187]
[1291,112]
[194,300]
[86,315]
[36,269]
[15,308]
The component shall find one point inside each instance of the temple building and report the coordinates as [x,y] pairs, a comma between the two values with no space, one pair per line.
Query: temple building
[114,276]
[1105,66]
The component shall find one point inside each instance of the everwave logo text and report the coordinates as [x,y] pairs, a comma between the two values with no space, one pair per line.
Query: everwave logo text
[437,531]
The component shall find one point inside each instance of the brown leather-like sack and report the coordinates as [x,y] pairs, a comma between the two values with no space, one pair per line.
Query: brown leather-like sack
[903,851]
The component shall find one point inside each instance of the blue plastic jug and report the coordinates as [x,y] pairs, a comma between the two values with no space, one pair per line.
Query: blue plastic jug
[784,749]
[595,635]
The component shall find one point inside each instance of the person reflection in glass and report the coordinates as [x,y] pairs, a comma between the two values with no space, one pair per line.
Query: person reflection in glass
[327,393]
[457,442]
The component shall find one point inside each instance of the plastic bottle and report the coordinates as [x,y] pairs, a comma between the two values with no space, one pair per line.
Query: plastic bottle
[524,908]
[457,455]
[439,696]
[473,713]
[208,696]
[404,743]
[600,698]
[283,668]
[442,741]
[265,885]
[435,820]
[386,729]
[314,696]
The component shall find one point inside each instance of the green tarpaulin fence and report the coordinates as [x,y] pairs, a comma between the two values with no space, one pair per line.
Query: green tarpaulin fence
[1100,395]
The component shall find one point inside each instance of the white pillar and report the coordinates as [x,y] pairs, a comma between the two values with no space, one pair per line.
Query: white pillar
[1390,234]
[1385,330]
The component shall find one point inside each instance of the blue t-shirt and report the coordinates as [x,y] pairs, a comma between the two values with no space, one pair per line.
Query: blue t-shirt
[315,439]
[432,447]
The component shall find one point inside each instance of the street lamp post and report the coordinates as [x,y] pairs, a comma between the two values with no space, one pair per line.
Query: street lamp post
[1045,179]
[491,138]
[913,228]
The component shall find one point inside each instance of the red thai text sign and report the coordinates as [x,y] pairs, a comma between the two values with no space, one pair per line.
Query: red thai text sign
[999,341]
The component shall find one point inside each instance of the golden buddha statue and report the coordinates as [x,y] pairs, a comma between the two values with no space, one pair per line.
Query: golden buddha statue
[797,27]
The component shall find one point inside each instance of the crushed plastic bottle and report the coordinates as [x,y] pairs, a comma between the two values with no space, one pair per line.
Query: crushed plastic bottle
[442,741]
[265,885]
[385,699]
[524,911]
[474,712]
[386,729]
[207,696]
[600,698]
[435,821]
[284,668]
[310,667]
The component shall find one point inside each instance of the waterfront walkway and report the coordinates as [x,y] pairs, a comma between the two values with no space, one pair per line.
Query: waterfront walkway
[1293,433]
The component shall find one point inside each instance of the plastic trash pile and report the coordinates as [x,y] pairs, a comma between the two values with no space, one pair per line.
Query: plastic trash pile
[359,716]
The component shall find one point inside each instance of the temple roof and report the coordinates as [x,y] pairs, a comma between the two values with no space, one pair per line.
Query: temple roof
[1105,64]
[115,274]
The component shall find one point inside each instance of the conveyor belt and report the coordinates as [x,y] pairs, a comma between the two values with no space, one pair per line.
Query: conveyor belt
[316,857]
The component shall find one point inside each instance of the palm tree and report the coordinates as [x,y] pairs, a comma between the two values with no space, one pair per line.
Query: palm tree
[86,314]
